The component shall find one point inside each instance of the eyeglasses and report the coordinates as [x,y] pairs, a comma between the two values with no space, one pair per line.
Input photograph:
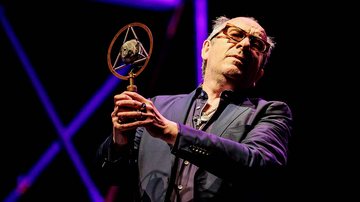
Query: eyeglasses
[236,34]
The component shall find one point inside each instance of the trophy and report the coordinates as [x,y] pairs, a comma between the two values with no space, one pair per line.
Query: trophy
[127,56]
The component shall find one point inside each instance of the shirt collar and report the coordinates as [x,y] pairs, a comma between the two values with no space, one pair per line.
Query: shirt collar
[226,95]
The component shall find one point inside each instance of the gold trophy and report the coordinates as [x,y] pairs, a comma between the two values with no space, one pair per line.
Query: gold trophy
[127,56]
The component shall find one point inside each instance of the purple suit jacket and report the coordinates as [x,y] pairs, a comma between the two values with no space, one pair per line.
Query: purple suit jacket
[246,147]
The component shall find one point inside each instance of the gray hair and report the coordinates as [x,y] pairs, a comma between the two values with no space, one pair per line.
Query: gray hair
[219,24]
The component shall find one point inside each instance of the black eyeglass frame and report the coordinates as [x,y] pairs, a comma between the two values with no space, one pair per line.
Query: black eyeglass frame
[264,43]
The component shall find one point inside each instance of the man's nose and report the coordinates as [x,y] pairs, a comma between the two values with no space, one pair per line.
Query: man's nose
[245,42]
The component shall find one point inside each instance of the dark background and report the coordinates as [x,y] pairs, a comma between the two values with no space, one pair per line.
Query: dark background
[66,44]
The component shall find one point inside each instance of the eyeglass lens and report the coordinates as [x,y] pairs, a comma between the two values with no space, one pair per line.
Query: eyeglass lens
[238,35]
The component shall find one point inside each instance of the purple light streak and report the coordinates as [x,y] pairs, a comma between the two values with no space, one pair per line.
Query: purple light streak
[200,10]
[65,133]
[145,4]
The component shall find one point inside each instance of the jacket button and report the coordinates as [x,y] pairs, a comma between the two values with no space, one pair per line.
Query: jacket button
[186,163]
[180,187]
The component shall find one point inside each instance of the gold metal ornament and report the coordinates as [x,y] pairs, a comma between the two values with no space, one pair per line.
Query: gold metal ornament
[128,54]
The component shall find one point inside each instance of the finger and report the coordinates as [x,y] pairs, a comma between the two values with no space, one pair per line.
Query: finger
[123,126]
[143,115]
[122,96]
[131,105]
[135,96]
[128,104]
[115,120]
[130,116]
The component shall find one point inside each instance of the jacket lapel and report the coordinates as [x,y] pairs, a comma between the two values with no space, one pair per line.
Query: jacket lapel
[231,112]
[179,113]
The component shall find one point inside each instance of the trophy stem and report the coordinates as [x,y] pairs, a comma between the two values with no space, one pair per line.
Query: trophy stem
[132,87]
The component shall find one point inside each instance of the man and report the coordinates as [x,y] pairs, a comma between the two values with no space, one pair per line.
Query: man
[210,144]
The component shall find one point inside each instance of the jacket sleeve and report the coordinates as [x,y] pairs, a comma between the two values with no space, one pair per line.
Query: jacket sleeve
[112,164]
[264,143]
[117,166]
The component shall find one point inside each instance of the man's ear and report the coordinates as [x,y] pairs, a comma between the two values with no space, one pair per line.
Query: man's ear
[205,49]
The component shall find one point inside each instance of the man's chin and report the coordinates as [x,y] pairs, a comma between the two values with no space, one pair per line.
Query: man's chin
[235,78]
[236,75]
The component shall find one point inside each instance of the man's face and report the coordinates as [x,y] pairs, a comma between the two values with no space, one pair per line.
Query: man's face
[236,53]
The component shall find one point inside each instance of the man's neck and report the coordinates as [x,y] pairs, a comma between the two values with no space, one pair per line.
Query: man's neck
[214,90]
